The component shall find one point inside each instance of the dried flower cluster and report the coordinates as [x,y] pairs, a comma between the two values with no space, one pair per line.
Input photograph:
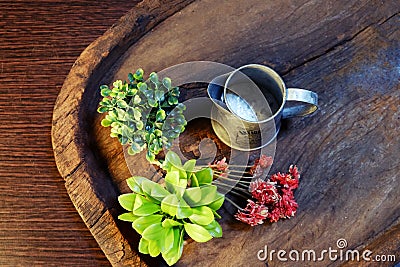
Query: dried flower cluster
[260,167]
[273,198]
[220,165]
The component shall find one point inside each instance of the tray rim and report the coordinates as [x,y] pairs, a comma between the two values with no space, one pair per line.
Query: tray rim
[77,138]
[70,157]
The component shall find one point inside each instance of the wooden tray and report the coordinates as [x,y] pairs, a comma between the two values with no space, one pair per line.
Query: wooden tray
[348,152]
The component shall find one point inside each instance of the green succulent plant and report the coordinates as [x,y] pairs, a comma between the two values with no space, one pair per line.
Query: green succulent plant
[143,114]
[162,214]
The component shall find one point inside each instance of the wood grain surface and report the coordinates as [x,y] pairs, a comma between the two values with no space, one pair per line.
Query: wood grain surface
[348,153]
[346,51]
[39,42]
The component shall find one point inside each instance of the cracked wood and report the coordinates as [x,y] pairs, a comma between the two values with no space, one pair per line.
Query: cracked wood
[346,51]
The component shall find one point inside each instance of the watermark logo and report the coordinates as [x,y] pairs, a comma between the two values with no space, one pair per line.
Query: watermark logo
[205,72]
[340,252]
[341,243]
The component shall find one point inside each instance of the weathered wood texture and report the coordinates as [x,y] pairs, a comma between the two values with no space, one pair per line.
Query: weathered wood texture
[39,42]
[346,51]
[87,181]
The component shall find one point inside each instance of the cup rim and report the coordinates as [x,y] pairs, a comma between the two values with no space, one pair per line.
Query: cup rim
[274,75]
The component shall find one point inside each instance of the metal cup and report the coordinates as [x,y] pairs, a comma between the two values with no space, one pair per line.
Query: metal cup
[249,104]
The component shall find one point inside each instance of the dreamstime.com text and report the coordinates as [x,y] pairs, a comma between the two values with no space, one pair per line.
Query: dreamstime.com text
[339,253]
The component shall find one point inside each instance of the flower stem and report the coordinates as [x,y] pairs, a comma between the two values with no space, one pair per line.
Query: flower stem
[238,171]
[233,203]
[242,190]
[232,175]
[230,179]
[234,166]
[238,181]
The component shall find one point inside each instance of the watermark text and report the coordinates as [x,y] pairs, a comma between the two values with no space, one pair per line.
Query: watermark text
[338,253]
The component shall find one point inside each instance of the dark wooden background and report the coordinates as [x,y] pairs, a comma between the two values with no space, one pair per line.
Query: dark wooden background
[39,42]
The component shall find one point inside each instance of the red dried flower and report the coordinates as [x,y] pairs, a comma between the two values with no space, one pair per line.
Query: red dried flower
[260,167]
[285,208]
[289,204]
[273,198]
[264,191]
[275,214]
[254,213]
[265,161]
[287,180]
[294,172]
[220,165]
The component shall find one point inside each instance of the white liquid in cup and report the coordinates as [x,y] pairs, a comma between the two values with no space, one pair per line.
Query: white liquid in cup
[240,107]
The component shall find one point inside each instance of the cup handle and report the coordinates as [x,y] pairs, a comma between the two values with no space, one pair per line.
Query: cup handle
[309,103]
